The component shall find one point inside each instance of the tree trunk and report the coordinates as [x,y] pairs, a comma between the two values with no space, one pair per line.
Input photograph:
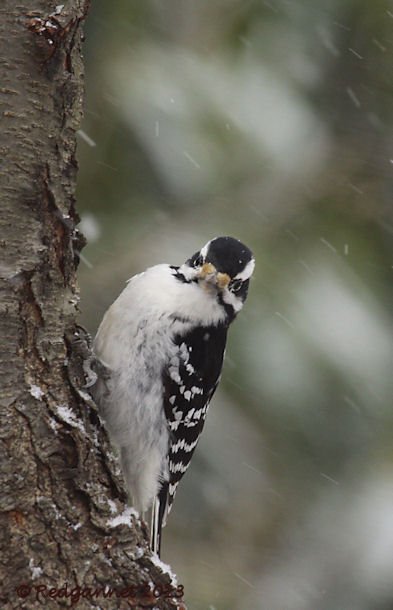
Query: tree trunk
[66,530]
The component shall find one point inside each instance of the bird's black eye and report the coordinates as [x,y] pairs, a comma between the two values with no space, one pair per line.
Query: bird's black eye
[198,261]
[235,285]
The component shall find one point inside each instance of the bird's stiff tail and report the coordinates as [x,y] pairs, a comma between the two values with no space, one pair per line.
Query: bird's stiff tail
[158,514]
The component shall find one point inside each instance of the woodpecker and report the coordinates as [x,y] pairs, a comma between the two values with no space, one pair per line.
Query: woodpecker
[163,343]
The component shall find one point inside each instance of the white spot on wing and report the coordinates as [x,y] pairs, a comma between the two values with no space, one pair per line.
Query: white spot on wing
[175,376]
[196,390]
[177,467]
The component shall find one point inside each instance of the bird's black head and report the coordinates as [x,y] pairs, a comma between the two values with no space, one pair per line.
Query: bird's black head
[226,264]
[227,254]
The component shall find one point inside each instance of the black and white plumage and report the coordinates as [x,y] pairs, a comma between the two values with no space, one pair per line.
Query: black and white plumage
[163,342]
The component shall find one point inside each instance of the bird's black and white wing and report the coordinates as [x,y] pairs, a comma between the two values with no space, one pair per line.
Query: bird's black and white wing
[189,383]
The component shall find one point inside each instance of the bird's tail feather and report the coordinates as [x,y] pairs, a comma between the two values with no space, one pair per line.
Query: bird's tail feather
[157,519]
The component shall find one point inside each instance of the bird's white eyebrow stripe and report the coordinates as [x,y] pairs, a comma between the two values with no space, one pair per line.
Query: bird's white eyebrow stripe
[247,272]
[205,249]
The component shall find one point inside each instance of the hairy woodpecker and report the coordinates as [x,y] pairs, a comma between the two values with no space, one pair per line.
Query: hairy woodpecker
[163,343]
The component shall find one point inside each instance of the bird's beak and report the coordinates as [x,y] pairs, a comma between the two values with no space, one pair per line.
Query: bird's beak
[209,273]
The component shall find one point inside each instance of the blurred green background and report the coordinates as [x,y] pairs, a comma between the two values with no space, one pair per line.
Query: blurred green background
[270,121]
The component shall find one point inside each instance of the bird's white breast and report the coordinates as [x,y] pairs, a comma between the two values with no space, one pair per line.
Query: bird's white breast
[135,341]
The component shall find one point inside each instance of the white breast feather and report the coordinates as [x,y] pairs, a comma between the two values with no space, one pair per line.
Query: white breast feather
[135,341]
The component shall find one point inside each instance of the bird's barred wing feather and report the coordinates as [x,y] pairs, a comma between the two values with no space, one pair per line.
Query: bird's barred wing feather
[189,384]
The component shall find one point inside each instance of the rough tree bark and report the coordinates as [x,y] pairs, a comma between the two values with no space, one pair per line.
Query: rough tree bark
[64,520]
